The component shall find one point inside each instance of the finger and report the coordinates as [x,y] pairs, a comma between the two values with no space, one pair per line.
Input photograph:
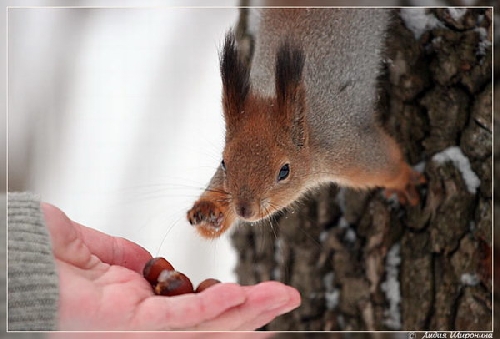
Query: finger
[65,240]
[264,302]
[268,316]
[114,250]
[187,310]
[80,245]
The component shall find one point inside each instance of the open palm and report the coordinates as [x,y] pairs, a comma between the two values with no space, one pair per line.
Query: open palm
[101,288]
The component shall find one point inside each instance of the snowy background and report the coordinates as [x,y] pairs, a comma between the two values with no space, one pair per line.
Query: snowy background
[114,116]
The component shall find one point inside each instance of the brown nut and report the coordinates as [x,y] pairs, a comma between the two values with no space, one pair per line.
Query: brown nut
[206,284]
[154,267]
[171,283]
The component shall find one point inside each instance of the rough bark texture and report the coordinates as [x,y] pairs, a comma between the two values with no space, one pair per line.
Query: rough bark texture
[351,253]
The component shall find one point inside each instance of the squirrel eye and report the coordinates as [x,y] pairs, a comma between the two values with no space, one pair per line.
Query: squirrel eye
[223,165]
[284,172]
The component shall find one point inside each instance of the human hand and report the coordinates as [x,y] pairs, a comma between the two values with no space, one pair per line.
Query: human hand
[102,288]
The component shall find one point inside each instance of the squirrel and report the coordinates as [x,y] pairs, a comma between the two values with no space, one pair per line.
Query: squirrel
[300,115]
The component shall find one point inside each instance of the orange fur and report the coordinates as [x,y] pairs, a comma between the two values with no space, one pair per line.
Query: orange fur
[311,129]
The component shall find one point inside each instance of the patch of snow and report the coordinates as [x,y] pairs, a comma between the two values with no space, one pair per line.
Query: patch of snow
[418,21]
[322,236]
[328,280]
[332,294]
[332,299]
[420,167]
[455,155]
[391,288]
[340,199]
[457,13]
[343,223]
[393,200]
[484,43]
[350,235]
[469,279]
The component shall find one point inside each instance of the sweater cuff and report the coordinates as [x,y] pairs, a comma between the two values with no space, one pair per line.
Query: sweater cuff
[33,284]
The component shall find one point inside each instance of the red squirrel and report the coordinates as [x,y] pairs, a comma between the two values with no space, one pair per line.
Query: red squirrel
[300,115]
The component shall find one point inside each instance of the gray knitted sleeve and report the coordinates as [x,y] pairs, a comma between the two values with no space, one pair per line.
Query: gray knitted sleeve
[33,286]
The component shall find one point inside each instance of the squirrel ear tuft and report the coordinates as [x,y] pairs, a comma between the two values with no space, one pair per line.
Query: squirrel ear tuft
[290,89]
[289,68]
[235,76]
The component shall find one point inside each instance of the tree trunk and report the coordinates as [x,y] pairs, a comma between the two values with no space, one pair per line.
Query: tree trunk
[361,262]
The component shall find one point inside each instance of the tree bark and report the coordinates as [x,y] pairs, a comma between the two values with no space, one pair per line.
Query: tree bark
[362,262]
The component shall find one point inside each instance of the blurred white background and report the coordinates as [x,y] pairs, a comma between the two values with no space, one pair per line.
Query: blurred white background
[114,116]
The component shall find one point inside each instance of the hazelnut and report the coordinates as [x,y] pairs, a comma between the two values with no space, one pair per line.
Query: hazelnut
[171,283]
[207,283]
[154,267]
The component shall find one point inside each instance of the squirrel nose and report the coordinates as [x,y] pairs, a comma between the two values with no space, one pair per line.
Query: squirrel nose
[245,210]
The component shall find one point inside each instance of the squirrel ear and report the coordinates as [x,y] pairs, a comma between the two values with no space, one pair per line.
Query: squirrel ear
[290,90]
[235,77]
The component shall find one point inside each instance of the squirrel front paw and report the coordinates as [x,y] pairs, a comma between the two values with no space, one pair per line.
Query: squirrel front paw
[210,218]
[408,193]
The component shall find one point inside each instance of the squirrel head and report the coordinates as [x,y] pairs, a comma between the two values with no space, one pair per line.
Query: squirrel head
[266,159]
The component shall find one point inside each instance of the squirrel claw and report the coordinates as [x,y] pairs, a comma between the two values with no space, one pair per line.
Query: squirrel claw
[209,218]
[205,211]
